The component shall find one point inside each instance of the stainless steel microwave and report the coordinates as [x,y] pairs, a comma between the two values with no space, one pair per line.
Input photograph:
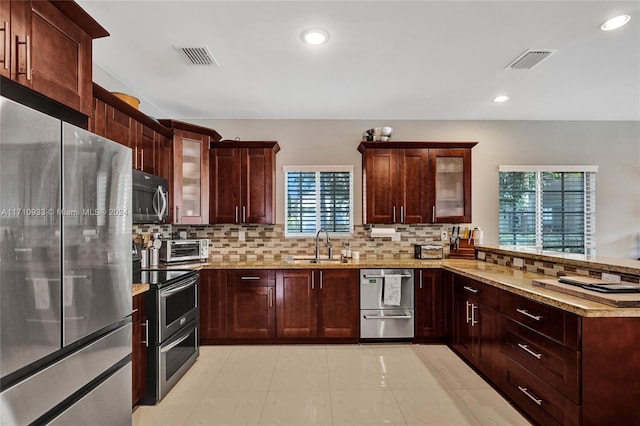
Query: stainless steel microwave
[184,250]
[150,198]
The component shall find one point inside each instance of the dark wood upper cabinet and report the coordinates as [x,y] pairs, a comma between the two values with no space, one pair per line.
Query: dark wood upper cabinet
[46,46]
[416,182]
[450,196]
[120,122]
[189,184]
[242,182]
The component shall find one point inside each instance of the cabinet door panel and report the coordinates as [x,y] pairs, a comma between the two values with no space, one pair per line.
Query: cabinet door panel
[213,304]
[338,303]
[250,311]
[296,304]
[5,38]
[257,185]
[429,318]
[146,149]
[380,176]
[226,183]
[120,128]
[190,178]
[412,186]
[60,58]
[450,174]
[139,348]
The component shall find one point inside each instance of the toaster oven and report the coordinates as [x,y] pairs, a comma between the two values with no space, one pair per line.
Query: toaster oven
[184,250]
[428,251]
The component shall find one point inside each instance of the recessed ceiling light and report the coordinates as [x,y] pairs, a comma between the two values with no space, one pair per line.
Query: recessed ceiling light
[315,36]
[501,98]
[614,23]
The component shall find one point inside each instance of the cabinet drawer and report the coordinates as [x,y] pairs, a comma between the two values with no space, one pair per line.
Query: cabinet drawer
[252,277]
[555,364]
[539,400]
[547,320]
[481,292]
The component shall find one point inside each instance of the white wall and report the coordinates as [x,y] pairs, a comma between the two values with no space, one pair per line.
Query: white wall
[613,146]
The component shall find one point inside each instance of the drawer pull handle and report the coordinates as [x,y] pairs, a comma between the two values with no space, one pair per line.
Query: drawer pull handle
[533,398]
[471,289]
[526,313]
[529,351]
[250,278]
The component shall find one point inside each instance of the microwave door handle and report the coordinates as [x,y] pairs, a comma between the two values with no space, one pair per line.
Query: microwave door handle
[155,202]
[163,197]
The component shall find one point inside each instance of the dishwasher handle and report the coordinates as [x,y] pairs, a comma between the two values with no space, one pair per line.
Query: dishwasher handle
[406,316]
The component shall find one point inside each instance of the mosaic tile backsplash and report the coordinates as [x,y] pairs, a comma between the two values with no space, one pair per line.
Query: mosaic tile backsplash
[554,269]
[269,242]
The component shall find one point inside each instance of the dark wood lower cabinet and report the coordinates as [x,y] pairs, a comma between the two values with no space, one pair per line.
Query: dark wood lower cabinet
[339,304]
[213,304]
[139,348]
[317,304]
[429,321]
[251,304]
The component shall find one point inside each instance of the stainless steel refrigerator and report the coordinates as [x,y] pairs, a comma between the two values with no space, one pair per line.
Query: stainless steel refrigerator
[65,273]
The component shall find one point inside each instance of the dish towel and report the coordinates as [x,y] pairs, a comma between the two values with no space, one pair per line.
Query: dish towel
[392,290]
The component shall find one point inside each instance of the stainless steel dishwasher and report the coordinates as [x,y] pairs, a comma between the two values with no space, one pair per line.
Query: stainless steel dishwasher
[386,304]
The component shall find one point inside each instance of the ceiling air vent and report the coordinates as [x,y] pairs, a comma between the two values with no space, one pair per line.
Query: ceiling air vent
[530,59]
[197,55]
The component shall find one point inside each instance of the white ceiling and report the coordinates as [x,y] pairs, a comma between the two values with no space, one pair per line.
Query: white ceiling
[385,59]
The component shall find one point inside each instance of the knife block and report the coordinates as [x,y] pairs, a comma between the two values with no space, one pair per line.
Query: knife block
[466,250]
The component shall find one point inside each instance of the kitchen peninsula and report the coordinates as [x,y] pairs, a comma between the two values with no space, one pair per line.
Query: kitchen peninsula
[559,358]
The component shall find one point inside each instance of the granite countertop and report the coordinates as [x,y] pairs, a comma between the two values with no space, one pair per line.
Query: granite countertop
[509,279]
[139,288]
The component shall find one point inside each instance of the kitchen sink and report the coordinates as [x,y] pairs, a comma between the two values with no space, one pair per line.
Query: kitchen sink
[306,260]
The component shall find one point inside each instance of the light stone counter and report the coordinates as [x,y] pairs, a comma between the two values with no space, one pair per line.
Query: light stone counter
[139,288]
[509,279]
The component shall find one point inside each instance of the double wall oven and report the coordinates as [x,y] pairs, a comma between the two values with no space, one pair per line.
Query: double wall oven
[172,303]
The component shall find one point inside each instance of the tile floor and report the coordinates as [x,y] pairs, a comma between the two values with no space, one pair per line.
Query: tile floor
[330,385]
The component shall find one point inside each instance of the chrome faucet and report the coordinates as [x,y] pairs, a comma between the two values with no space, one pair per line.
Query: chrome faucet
[318,245]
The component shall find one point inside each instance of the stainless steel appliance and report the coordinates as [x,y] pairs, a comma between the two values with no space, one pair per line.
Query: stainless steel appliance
[174,314]
[184,250]
[65,272]
[386,304]
[150,198]
[428,251]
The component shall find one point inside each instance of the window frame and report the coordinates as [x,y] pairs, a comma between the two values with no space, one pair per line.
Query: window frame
[317,170]
[589,191]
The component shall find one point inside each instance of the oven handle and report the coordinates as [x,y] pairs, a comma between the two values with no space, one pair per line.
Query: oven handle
[169,292]
[384,276]
[176,343]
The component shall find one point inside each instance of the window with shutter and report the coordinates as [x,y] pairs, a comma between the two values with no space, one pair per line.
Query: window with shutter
[318,197]
[548,207]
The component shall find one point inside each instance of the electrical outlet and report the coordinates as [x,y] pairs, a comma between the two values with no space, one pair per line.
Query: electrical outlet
[481,255]
[241,236]
[517,262]
[443,236]
[611,277]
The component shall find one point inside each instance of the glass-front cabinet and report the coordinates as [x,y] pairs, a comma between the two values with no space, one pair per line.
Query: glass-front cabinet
[450,171]
[189,186]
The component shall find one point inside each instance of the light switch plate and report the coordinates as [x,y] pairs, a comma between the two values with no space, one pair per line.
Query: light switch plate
[518,262]
[443,236]
[241,236]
